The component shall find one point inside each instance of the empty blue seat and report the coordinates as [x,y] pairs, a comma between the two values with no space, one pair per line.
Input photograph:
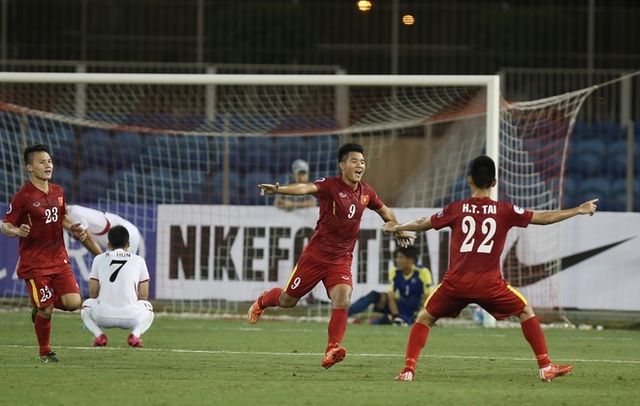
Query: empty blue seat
[97,148]
[590,164]
[596,187]
[251,192]
[130,147]
[65,178]
[93,185]
[217,187]
[591,146]
[257,154]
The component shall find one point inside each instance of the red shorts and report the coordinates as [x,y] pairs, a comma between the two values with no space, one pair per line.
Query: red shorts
[501,301]
[43,290]
[309,271]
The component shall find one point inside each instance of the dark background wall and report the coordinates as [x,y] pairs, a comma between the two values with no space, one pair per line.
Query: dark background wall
[453,37]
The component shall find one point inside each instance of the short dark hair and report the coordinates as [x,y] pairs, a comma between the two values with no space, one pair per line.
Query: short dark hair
[350,147]
[30,150]
[483,171]
[118,237]
[410,252]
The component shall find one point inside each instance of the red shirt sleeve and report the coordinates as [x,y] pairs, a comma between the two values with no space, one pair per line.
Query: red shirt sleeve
[324,187]
[516,216]
[374,201]
[445,217]
[16,211]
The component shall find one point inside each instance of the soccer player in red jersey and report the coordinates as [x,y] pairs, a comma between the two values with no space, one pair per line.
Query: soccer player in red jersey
[479,227]
[36,215]
[328,255]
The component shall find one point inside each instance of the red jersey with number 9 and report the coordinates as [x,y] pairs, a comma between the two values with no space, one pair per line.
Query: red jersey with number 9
[42,252]
[479,227]
[338,225]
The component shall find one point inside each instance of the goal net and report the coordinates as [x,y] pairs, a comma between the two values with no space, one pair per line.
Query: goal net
[180,157]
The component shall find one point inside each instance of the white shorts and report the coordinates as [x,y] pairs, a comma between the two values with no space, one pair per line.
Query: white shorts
[107,316]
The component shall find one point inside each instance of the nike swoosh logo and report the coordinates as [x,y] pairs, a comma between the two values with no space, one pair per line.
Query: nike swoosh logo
[519,274]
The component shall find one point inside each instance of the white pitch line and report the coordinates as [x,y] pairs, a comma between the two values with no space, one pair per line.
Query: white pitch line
[314,354]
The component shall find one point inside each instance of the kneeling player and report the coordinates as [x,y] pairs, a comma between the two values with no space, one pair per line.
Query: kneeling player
[119,288]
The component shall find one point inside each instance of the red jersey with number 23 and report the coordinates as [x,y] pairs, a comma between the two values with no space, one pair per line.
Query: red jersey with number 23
[338,224]
[42,252]
[479,227]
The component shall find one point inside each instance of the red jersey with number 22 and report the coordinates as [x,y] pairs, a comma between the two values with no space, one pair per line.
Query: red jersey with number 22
[338,225]
[42,252]
[479,227]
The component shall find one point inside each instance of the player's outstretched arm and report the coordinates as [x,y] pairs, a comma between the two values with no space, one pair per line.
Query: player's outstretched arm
[404,238]
[294,189]
[549,217]
[419,224]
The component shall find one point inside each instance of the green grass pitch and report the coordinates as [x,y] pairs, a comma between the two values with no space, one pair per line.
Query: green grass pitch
[191,361]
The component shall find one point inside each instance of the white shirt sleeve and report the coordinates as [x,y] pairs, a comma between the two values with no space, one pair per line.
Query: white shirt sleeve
[144,271]
[94,267]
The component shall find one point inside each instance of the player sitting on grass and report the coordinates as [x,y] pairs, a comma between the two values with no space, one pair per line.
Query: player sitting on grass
[479,227]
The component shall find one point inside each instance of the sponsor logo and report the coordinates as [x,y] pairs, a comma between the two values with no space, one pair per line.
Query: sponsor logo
[319,180]
[36,204]
[345,277]
[10,208]
[518,209]
[364,200]
[342,195]
[520,274]
[440,214]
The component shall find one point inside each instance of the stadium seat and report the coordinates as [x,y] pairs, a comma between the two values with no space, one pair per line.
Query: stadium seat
[596,187]
[217,147]
[130,147]
[65,178]
[593,146]
[251,193]
[127,187]
[177,152]
[287,150]
[582,130]
[590,164]
[257,153]
[97,148]
[62,144]
[217,187]
[93,185]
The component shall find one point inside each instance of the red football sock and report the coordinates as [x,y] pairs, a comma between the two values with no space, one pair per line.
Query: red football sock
[337,327]
[534,335]
[417,341]
[270,298]
[43,332]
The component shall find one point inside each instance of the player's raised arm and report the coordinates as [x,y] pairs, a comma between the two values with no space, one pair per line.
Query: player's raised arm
[294,189]
[549,217]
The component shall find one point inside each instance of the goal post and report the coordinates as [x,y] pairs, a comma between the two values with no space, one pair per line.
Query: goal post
[179,155]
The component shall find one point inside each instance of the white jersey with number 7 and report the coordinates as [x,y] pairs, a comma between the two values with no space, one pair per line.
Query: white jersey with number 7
[119,272]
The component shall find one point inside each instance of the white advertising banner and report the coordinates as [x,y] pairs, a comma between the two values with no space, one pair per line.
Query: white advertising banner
[236,252]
